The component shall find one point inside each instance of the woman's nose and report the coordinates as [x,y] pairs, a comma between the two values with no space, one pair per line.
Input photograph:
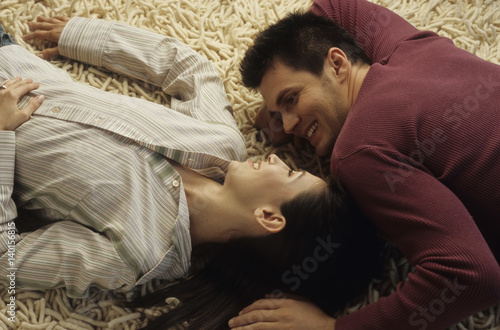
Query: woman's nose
[275,160]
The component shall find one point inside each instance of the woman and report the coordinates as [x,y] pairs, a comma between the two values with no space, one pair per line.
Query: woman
[326,255]
[122,190]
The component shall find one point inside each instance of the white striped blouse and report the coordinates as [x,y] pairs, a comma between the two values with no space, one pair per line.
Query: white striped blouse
[92,167]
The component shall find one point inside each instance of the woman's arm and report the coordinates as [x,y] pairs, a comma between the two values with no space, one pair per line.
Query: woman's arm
[8,211]
[61,254]
[49,29]
[11,117]
[41,259]
[66,254]
[192,81]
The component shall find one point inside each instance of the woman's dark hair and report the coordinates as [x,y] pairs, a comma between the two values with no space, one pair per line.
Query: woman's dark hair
[327,252]
[300,41]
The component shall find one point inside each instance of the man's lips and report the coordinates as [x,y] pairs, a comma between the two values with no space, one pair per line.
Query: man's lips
[311,130]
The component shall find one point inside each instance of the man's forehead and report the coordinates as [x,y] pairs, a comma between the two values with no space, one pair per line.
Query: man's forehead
[274,82]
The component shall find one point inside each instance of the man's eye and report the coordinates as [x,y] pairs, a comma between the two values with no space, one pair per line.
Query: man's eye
[291,99]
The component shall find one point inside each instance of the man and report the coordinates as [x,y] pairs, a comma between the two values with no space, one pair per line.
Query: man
[413,135]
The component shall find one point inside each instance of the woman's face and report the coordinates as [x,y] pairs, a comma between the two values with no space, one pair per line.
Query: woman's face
[270,181]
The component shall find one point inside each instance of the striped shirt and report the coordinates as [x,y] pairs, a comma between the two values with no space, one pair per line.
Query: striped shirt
[94,166]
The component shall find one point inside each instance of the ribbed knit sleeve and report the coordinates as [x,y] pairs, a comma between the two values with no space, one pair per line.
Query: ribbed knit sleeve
[456,273]
[377,30]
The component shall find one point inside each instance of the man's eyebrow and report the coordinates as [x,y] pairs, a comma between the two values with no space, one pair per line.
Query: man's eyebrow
[279,99]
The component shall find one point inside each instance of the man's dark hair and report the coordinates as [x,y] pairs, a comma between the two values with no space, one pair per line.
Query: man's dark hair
[301,41]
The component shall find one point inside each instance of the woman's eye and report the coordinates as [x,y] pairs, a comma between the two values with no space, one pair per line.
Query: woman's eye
[290,172]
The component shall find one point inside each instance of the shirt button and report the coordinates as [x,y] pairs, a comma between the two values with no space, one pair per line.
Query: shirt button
[56,110]
[175,183]
[98,120]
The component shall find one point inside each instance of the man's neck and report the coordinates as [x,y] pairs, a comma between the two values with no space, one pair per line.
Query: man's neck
[358,74]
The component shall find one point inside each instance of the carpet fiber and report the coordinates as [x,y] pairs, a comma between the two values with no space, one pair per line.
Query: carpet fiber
[222,30]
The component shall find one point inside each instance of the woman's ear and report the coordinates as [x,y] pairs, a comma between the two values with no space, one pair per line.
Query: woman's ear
[270,219]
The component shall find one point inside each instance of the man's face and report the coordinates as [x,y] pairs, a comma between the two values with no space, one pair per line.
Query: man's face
[311,107]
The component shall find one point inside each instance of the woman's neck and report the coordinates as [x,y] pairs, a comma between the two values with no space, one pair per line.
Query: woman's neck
[206,211]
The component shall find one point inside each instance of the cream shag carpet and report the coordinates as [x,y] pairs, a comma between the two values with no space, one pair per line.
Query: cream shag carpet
[222,30]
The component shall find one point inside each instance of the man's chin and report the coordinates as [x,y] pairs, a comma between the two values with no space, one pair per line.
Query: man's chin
[320,152]
[323,151]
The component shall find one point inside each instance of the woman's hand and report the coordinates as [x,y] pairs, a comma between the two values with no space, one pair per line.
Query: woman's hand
[11,117]
[47,29]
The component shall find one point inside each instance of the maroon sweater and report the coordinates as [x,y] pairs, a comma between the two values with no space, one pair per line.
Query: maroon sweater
[420,153]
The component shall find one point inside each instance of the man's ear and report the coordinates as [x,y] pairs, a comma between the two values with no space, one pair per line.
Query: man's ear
[270,219]
[337,61]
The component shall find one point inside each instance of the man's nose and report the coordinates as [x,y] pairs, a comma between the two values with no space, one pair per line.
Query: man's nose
[290,122]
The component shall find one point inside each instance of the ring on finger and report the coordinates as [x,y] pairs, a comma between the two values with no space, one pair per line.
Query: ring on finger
[2,86]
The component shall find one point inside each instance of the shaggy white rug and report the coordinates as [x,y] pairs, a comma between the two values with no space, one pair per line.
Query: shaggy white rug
[222,30]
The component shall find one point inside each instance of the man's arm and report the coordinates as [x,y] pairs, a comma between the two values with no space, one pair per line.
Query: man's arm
[456,273]
[280,314]
[377,30]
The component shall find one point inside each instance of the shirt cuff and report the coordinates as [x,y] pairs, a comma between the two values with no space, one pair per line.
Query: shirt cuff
[7,157]
[84,39]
